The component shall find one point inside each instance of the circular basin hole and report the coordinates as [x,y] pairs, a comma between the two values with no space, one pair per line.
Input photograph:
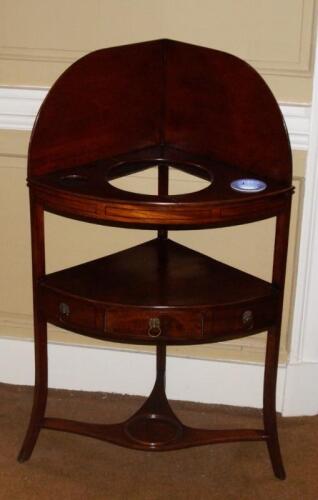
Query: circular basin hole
[143,177]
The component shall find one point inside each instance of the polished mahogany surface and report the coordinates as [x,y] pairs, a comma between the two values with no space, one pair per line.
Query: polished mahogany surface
[159,273]
[107,103]
[118,110]
[230,113]
[85,192]
[199,100]
[122,110]
[194,297]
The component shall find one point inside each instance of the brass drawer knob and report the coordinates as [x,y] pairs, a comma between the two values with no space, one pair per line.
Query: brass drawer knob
[64,311]
[154,329]
[248,319]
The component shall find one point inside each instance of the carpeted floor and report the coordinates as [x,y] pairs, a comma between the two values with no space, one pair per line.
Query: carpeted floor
[65,466]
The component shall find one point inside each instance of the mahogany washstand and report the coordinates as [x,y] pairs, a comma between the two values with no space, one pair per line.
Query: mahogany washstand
[118,111]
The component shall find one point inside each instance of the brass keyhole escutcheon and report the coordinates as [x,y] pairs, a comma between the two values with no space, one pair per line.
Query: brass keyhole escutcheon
[64,311]
[248,319]
[154,329]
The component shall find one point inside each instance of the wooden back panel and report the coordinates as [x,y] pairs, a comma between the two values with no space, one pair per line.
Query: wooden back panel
[107,103]
[199,100]
[217,105]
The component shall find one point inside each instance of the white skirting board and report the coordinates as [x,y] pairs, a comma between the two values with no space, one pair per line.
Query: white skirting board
[124,372]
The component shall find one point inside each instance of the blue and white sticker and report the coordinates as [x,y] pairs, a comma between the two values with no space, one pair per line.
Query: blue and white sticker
[248,185]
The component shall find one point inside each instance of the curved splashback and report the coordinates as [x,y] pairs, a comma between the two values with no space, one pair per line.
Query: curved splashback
[163,92]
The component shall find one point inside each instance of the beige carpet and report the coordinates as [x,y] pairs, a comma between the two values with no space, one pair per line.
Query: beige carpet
[65,466]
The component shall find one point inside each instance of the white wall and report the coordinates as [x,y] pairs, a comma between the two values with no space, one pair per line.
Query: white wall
[301,392]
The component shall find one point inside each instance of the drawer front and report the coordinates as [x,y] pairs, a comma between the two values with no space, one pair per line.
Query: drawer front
[147,324]
[238,319]
[69,312]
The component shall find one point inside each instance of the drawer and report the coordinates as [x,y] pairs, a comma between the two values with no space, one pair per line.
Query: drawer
[244,318]
[125,323]
[150,324]
[70,312]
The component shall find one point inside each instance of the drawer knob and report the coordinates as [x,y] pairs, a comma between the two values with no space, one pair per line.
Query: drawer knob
[248,319]
[154,329]
[64,311]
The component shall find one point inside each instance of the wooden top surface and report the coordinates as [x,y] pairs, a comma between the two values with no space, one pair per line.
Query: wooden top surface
[85,193]
[92,180]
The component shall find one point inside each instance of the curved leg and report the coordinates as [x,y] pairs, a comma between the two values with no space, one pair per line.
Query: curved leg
[40,391]
[269,411]
[272,346]
[40,333]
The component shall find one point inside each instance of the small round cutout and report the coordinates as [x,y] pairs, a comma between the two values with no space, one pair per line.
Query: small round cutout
[248,185]
[71,179]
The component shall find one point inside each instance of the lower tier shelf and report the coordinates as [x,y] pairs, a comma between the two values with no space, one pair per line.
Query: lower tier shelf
[155,426]
[159,291]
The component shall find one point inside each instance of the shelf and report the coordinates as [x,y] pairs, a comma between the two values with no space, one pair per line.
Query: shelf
[85,192]
[195,298]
